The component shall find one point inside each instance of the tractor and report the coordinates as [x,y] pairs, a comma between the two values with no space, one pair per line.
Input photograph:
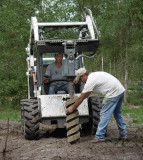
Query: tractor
[41,110]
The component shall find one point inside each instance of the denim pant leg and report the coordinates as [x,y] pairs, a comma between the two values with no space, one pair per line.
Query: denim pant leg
[105,116]
[119,118]
[52,89]
[64,88]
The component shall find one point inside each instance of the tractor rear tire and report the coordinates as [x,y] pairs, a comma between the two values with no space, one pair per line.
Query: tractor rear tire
[30,119]
[96,104]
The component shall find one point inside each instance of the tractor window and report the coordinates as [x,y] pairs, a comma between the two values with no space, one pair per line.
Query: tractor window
[48,58]
[61,33]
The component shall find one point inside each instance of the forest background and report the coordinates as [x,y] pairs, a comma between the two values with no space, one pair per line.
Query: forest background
[121,52]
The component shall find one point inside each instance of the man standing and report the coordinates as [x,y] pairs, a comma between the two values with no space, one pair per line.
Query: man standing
[110,87]
[54,72]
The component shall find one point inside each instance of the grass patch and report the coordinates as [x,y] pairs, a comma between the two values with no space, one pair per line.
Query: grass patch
[135,113]
[9,112]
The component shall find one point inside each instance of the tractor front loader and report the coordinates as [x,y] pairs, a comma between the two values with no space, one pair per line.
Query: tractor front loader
[41,110]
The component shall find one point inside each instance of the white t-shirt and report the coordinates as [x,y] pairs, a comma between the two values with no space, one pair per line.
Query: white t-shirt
[103,83]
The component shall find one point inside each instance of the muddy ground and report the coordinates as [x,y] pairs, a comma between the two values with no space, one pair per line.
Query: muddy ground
[56,147]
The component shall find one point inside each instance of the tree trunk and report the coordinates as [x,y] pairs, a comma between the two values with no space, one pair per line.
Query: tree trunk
[115,71]
[102,63]
[123,61]
[126,76]
[110,67]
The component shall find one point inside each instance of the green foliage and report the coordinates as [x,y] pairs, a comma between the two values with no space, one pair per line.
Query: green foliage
[12,78]
[135,97]
[15,16]
[57,11]
[14,37]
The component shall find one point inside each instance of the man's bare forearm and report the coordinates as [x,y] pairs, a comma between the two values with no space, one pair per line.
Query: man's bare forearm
[80,99]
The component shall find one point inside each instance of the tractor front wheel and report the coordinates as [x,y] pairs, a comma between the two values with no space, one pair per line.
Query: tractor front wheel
[30,118]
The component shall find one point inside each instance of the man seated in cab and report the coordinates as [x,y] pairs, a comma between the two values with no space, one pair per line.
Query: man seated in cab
[53,75]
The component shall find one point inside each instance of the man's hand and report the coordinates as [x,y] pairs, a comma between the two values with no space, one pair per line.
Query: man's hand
[46,80]
[77,102]
[69,110]
[75,81]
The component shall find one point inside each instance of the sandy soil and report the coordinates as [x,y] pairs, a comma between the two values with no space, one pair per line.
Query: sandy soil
[56,147]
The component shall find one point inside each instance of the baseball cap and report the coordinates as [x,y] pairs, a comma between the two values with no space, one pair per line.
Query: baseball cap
[80,72]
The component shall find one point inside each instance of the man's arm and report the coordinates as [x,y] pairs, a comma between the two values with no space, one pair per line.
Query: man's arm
[77,102]
[47,74]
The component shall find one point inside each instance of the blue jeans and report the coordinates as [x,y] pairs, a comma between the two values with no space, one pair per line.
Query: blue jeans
[111,106]
[53,89]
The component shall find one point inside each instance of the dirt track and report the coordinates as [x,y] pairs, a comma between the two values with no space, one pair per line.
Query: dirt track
[56,147]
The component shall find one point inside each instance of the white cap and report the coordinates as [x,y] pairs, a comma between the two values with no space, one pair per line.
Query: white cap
[80,72]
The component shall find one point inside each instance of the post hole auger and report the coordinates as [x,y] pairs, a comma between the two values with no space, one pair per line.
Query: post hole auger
[72,120]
